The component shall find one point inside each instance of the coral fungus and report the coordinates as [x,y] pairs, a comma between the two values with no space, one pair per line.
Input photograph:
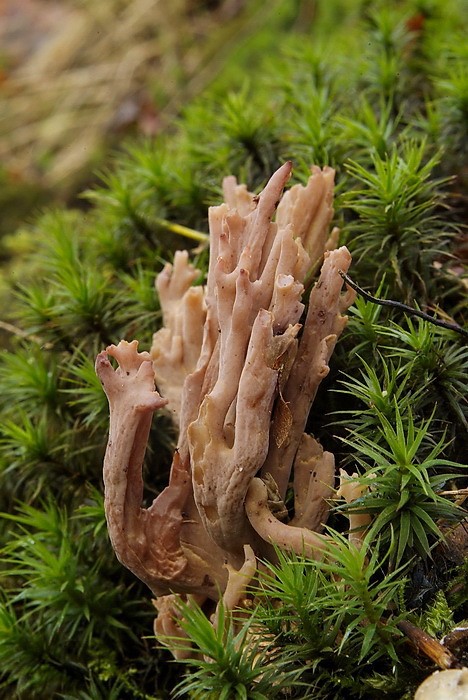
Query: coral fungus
[238,362]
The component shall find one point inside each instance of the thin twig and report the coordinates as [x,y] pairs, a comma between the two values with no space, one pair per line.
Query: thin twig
[403,307]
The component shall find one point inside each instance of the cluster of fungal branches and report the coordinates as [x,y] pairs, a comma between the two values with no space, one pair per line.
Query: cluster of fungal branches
[238,362]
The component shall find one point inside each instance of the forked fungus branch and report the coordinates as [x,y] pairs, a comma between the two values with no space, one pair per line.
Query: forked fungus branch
[237,363]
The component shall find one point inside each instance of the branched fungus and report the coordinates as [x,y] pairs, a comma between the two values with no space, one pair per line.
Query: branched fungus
[238,362]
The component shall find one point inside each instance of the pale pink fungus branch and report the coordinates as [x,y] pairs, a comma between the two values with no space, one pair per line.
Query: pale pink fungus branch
[351,489]
[147,541]
[177,345]
[300,540]
[238,582]
[314,474]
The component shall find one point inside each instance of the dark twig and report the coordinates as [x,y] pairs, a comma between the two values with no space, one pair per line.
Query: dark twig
[406,309]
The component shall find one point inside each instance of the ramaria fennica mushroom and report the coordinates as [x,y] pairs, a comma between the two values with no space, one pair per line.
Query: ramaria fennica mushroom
[238,363]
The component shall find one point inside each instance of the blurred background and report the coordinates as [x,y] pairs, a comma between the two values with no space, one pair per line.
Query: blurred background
[77,77]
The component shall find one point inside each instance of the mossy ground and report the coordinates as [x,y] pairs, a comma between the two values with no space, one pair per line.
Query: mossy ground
[378,91]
